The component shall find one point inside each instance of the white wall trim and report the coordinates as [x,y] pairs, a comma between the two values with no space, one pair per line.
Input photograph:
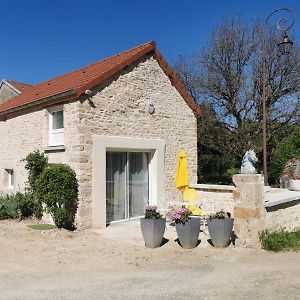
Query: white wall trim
[102,144]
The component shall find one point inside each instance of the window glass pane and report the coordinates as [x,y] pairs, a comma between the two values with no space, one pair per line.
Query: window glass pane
[127,184]
[115,186]
[12,178]
[58,119]
[138,183]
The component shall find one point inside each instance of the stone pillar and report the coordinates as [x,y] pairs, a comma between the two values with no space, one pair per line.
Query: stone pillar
[249,209]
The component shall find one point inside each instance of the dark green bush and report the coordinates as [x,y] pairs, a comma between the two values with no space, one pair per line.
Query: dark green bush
[57,187]
[18,206]
[36,163]
[288,149]
[280,240]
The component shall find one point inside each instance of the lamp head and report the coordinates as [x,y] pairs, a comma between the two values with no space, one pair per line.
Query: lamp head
[286,45]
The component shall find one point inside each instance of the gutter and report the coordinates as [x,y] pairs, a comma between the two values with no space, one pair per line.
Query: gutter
[55,99]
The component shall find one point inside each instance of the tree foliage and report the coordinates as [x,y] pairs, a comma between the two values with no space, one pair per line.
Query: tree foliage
[287,149]
[227,75]
[36,162]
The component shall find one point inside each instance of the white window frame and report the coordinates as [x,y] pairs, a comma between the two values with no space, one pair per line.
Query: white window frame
[56,136]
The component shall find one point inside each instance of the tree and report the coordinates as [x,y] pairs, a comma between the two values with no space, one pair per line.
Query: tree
[227,74]
[288,148]
[214,162]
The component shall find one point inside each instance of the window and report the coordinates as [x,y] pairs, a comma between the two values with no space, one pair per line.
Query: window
[10,175]
[56,127]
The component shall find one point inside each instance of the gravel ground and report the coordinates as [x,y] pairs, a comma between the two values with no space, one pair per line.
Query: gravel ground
[114,264]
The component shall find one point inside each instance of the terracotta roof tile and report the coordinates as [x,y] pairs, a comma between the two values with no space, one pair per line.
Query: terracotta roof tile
[77,82]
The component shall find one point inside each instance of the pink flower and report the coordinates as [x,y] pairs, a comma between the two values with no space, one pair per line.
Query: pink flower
[151,207]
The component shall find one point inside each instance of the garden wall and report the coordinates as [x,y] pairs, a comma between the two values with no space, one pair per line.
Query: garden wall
[252,213]
[284,215]
[215,197]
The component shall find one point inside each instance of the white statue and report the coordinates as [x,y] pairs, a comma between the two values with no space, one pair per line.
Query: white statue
[248,163]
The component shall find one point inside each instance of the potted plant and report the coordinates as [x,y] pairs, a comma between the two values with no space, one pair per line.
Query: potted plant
[220,227]
[153,227]
[187,227]
[295,183]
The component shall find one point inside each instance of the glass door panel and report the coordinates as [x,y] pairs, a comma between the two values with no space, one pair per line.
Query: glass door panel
[115,186]
[138,180]
[127,185]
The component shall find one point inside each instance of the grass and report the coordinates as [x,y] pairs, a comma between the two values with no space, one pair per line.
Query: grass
[41,226]
[280,240]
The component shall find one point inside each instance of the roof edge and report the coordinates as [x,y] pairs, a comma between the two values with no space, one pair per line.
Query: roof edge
[98,80]
[58,98]
[177,83]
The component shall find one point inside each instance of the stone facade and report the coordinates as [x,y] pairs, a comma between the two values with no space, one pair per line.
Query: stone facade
[119,107]
[26,133]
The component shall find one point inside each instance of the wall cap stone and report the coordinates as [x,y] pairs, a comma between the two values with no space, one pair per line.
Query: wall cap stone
[240,179]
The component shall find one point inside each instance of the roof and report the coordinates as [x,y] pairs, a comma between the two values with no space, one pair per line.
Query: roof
[71,85]
[20,86]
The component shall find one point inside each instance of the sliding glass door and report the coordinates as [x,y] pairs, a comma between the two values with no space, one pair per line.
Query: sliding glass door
[127,185]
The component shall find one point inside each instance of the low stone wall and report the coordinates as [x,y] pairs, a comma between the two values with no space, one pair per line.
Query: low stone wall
[285,216]
[252,213]
[215,197]
[252,210]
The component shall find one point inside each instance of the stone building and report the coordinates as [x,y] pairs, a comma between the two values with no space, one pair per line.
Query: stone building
[119,123]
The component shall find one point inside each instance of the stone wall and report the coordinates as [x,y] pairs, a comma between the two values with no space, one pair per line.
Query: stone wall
[283,216]
[215,197]
[25,133]
[119,107]
[252,214]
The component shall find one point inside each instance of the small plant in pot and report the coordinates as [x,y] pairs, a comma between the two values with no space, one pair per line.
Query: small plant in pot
[187,227]
[153,227]
[220,227]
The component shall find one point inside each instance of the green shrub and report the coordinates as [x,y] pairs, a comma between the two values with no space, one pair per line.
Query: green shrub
[36,163]
[17,206]
[280,240]
[57,187]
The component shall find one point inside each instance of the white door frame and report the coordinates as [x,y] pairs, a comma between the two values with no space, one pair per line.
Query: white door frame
[102,144]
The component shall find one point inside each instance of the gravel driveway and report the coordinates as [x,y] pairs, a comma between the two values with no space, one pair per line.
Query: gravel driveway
[114,264]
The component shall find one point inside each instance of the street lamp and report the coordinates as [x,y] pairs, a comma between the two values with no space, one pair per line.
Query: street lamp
[285,47]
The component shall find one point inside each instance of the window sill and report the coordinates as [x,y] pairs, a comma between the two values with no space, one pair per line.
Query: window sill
[55,149]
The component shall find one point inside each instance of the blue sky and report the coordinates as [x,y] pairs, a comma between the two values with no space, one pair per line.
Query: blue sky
[41,39]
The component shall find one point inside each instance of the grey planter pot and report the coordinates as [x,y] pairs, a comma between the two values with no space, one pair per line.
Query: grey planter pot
[153,231]
[220,231]
[188,233]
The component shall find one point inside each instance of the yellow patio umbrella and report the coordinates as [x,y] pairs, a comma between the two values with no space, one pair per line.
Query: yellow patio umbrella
[182,183]
[182,179]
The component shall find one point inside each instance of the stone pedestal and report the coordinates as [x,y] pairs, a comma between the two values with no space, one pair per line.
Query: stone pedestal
[249,209]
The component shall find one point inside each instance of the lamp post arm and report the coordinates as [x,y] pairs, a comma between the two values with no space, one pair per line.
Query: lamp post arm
[282,20]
